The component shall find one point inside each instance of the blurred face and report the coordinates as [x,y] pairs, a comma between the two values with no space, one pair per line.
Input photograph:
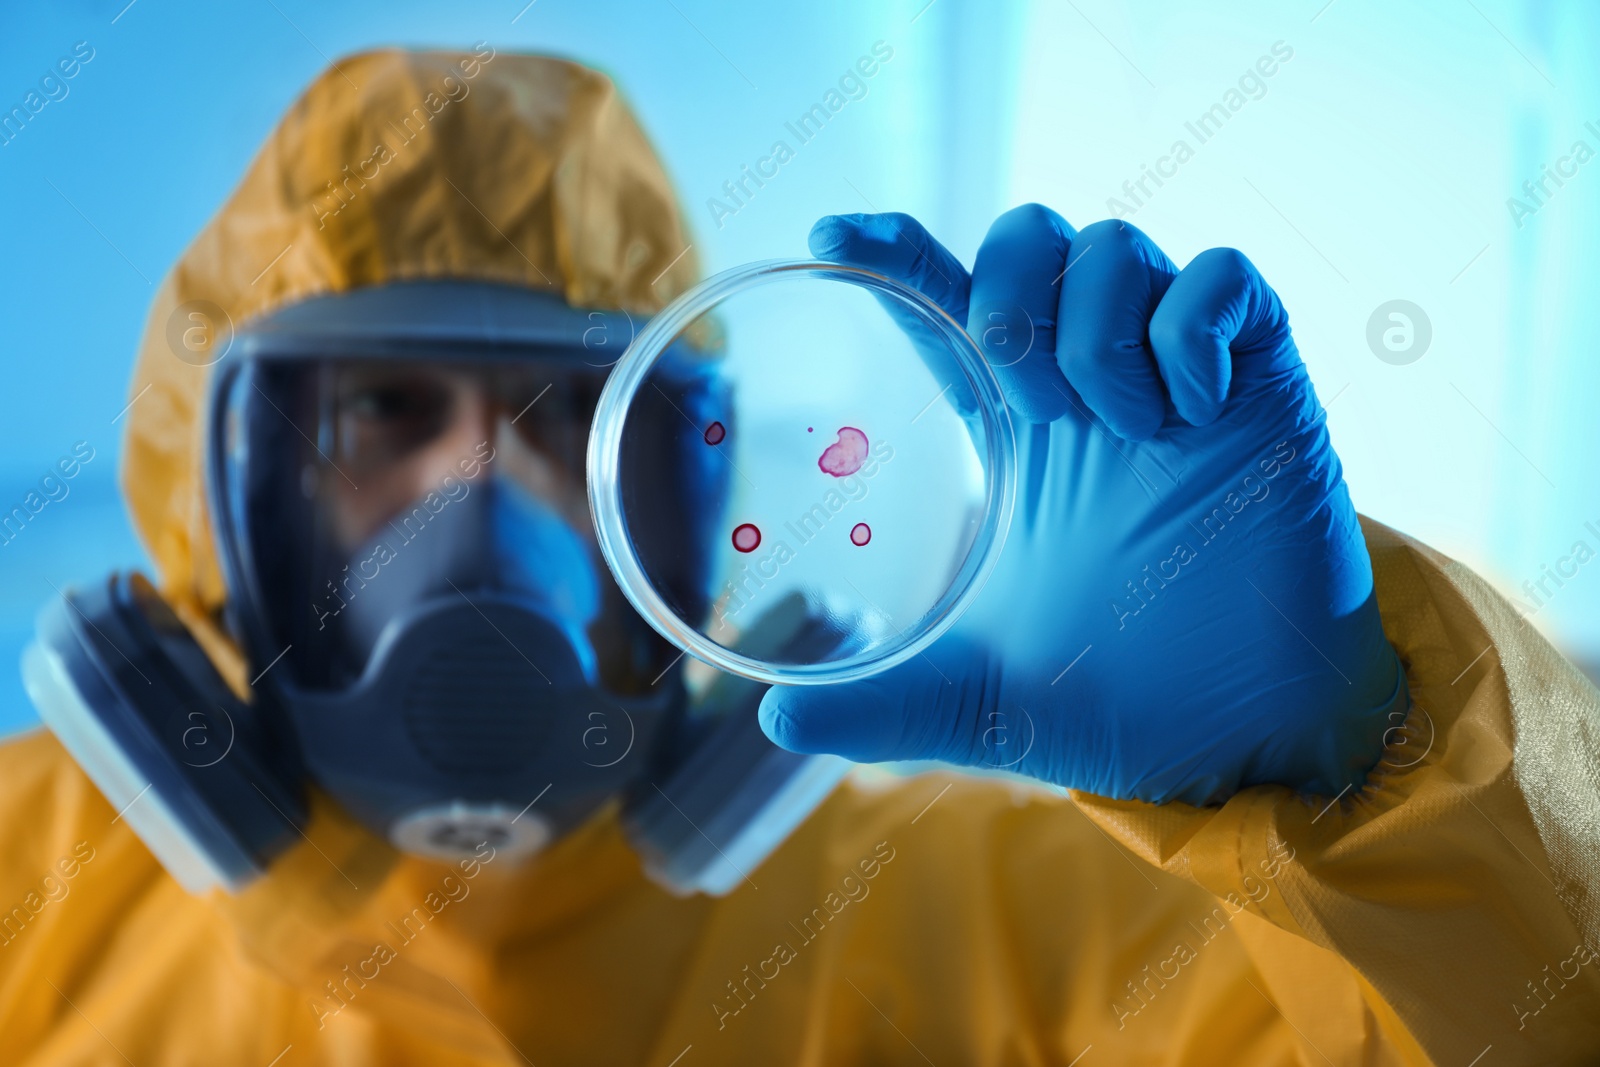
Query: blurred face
[404,430]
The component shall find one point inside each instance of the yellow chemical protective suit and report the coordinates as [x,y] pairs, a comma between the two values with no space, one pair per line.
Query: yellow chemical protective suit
[1448,914]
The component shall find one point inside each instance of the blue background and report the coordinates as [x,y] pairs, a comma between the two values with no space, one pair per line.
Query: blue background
[1376,165]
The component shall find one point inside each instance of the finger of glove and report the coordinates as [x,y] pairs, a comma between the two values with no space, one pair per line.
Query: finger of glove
[1118,277]
[1218,316]
[914,711]
[1016,295]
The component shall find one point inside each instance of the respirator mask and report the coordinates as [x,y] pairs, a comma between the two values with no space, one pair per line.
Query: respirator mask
[396,484]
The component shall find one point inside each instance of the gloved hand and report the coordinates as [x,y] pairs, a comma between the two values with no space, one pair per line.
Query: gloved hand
[1184,605]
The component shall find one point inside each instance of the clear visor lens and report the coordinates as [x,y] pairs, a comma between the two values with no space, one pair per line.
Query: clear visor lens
[374,486]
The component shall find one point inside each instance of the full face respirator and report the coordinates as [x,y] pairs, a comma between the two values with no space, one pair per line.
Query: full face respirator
[395,479]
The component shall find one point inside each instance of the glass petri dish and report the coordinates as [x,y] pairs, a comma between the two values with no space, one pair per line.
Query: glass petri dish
[801,472]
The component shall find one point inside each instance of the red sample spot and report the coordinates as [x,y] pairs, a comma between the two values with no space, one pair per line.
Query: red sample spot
[846,455]
[746,537]
[860,534]
[715,433]
[809,429]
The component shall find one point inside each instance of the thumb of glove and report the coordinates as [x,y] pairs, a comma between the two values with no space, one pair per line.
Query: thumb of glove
[932,707]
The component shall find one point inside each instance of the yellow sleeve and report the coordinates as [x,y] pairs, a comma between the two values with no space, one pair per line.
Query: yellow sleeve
[1463,881]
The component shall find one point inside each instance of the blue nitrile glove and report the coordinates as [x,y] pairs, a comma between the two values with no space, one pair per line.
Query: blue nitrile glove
[1184,605]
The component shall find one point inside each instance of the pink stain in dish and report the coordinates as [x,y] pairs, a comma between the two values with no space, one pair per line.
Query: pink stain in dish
[715,433]
[860,534]
[746,537]
[846,455]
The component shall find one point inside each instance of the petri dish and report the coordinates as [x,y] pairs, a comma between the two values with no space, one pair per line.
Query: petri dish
[801,472]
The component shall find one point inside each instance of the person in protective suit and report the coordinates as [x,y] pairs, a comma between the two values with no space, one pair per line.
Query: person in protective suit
[294,807]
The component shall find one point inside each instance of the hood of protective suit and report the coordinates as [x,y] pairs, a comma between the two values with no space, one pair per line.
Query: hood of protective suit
[393,166]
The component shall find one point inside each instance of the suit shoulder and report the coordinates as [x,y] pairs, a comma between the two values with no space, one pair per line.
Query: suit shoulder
[37,775]
[943,794]
[960,811]
[50,812]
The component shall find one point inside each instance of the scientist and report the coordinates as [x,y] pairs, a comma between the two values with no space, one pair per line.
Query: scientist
[330,792]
